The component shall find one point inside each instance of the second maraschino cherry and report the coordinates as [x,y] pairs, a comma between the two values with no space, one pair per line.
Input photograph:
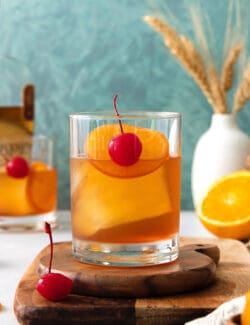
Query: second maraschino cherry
[53,286]
[17,167]
[125,148]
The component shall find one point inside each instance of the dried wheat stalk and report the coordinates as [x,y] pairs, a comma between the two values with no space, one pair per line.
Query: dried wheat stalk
[227,76]
[242,94]
[213,87]
[219,97]
[183,49]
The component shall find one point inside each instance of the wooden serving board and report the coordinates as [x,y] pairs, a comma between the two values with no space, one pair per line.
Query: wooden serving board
[194,269]
[231,280]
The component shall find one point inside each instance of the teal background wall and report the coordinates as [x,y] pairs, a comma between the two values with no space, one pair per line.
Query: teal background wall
[78,53]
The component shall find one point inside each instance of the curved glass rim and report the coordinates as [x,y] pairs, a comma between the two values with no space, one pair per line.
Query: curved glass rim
[125,115]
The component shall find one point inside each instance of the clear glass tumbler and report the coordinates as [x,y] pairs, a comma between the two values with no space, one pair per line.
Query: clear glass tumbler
[28,184]
[125,187]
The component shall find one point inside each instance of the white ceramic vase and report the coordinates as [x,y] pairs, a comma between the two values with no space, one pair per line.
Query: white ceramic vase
[222,149]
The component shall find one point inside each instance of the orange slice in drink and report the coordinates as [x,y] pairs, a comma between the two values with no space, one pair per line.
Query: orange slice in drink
[41,187]
[225,209]
[38,165]
[155,149]
[13,198]
[100,202]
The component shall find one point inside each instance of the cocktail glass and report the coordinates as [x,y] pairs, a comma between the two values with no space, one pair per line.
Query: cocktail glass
[125,215]
[26,202]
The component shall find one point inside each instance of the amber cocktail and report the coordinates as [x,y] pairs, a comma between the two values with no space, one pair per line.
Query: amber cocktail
[28,185]
[125,187]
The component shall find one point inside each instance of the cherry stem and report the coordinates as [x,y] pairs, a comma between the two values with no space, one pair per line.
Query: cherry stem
[48,231]
[117,113]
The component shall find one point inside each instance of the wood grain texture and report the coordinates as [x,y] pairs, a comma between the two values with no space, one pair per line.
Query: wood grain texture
[232,279]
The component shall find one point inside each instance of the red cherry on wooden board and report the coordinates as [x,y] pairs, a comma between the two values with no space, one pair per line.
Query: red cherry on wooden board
[125,148]
[17,167]
[53,286]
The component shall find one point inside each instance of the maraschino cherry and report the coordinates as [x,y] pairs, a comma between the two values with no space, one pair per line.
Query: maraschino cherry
[125,148]
[53,286]
[17,167]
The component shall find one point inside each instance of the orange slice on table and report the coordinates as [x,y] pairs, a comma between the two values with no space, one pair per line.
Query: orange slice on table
[155,149]
[245,316]
[42,186]
[225,209]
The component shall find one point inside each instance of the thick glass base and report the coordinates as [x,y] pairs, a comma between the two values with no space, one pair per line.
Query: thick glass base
[27,223]
[126,255]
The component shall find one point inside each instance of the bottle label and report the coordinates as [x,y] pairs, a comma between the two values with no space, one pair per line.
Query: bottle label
[12,149]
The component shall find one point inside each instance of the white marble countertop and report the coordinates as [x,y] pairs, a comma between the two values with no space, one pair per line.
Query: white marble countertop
[17,250]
